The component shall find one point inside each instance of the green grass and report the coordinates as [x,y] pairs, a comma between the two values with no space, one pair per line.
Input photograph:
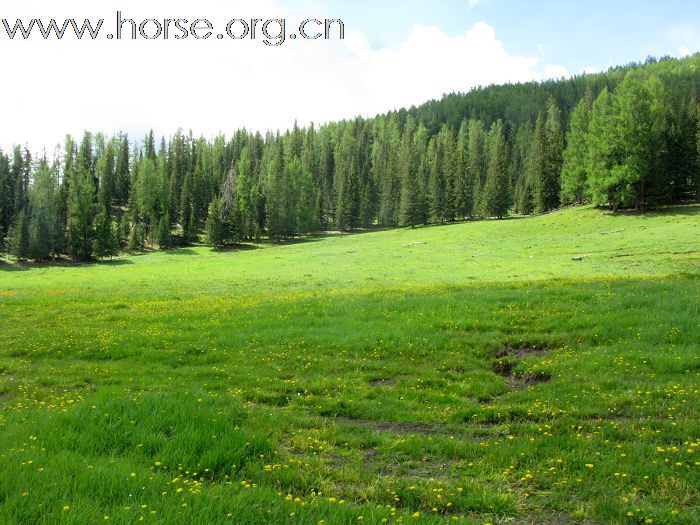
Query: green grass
[481,377]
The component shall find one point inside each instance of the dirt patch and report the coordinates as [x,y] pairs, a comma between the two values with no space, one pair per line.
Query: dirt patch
[395,427]
[503,368]
[386,383]
[522,350]
[507,361]
[521,382]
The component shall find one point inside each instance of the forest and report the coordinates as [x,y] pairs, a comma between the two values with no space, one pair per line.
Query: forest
[628,138]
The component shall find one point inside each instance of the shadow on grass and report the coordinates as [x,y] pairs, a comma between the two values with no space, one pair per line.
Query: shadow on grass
[179,251]
[24,266]
[237,247]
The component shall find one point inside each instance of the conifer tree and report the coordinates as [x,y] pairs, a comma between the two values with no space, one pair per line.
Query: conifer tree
[308,202]
[246,191]
[189,228]
[437,189]
[478,159]
[44,202]
[81,196]
[575,169]
[410,212]
[537,164]
[497,188]
[422,171]
[463,196]
[520,166]
[385,172]
[104,169]
[121,170]
[216,226]
[19,236]
[553,154]
[5,199]
[546,161]
[345,182]
[104,243]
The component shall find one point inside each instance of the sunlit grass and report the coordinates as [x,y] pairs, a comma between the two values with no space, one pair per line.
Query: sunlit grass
[484,376]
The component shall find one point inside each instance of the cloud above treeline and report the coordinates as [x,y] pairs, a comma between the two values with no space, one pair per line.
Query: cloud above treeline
[213,86]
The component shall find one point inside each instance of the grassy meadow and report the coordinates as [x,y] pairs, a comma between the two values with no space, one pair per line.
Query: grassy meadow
[536,370]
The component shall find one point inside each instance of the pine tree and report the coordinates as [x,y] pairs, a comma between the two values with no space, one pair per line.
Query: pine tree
[44,203]
[463,196]
[410,210]
[104,169]
[308,202]
[520,174]
[246,191]
[385,172]
[546,158]
[104,244]
[438,191]
[575,169]
[554,150]
[5,199]
[603,152]
[478,159]
[148,197]
[216,226]
[275,192]
[696,174]
[189,228]
[345,184]
[164,237]
[19,237]
[121,170]
[449,166]
[81,195]
[497,188]
[422,171]
[537,165]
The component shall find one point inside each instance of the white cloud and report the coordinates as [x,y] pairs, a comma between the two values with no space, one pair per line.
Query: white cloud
[553,71]
[474,3]
[51,88]
[685,37]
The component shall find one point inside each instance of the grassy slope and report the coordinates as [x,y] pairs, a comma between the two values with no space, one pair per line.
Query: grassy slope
[272,384]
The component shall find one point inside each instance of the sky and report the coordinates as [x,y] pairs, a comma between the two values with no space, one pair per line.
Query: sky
[394,54]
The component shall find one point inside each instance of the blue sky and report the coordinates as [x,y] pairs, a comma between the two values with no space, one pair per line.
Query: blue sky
[575,35]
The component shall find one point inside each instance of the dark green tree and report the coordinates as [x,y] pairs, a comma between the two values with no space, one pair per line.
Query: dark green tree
[496,192]
[81,198]
[575,167]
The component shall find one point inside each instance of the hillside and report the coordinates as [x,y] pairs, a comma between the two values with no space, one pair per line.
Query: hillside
[625,139]
[473,372]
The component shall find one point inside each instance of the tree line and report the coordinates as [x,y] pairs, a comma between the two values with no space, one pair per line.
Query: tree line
[628,138]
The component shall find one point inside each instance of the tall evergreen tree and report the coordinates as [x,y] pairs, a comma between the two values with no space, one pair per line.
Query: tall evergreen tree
[308,202]
[44,203]
[19,236]
[575,169]
[549,141]
[496,193]
[122,170]
[104,243]
[5,199]
[81,196]
[385,172]
[345,182]
[247,193]
[463,196]
[478,159]
[411,206]
[216,225]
